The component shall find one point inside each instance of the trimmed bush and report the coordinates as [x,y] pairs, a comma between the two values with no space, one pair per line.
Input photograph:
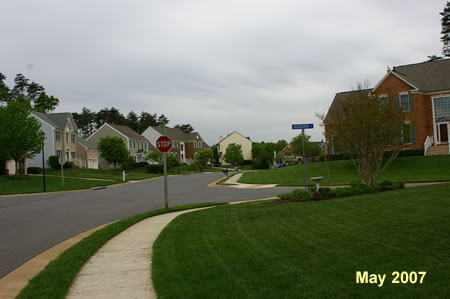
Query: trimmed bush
[406,153]
[296,195]
[285,196]
[301,195]
[68,164]
[325,193]
[34,170]
[141,164]
[129,164]
[154,168]
[247,162]
[53,161]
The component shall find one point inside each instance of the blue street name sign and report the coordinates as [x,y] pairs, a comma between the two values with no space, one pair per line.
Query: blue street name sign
[302,126]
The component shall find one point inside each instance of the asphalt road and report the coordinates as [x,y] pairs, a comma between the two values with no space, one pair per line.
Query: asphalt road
[32,224]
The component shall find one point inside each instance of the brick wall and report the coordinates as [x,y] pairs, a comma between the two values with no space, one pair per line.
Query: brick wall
[421,116]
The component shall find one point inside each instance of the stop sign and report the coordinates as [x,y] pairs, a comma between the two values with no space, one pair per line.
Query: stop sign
[163,144]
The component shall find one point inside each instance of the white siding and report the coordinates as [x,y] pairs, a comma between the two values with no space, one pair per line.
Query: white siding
[152,135]
[36,161]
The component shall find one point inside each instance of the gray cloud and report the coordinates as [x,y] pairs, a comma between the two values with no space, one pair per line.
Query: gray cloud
[252,66]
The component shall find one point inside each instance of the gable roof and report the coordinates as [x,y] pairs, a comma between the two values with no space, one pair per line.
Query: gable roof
[232,134]
[128,132]
[45,118]
[174,134]
[431,76]
[56,120]
[86,143]
[339,99]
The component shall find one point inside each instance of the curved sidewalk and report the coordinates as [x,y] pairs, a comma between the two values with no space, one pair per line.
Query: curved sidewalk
[122,267]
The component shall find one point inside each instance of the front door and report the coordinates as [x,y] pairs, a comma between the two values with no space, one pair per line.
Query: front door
[443,132]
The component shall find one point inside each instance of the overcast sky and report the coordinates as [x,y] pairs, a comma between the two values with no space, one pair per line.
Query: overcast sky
[252,66]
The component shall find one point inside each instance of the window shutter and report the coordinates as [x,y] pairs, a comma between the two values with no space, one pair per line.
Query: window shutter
[413,134]
[411,105]
[397,101]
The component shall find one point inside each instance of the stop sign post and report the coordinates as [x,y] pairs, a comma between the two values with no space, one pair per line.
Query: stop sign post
[163,144]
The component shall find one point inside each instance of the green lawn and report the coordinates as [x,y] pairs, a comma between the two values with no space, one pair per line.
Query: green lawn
[309,250]
[33,184]
[407,169]
[56,278]
[108,174]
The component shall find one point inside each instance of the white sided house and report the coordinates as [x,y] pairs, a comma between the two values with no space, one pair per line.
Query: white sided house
[60,138]
[237,138]
[137,145]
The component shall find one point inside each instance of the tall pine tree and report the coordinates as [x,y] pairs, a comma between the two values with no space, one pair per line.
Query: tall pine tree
[445,38]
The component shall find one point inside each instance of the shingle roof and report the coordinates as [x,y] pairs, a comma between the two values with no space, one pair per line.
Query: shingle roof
[129,132]
[174,134]
[60,119]
[426,76]
[86,143]
[339,99]
[57,120]
[45,118]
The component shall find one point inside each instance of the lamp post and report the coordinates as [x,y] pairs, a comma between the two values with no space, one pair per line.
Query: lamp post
[43,159]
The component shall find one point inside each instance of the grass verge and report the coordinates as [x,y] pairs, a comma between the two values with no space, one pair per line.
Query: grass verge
[33,184]
[56,278]
[405,169]
[309,250]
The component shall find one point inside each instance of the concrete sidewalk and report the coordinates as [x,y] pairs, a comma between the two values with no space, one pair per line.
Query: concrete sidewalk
[233,181]
[122,267]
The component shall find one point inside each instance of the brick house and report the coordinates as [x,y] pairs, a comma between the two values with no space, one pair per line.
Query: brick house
[422,91]
[184,145]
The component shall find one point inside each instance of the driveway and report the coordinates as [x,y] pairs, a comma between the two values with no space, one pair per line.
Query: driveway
[32,224]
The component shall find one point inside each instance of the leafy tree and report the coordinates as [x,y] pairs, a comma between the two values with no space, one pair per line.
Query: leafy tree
[111,116]
[45,103]
[113,150]
[20,134]
[155,156]
[4,90]
[162,119]
[364,127]
[85,121]
[172,160]
[215,151]
[20,87]
[445,22]
[203,157]
[33,92]
[147,120]
[133,121]
[310,149]
[280,145]
[186,128]
[233,154]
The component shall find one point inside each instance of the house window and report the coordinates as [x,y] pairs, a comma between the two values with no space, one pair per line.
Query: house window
[73,138]
[134,144]
[145,145]
[130,143]
[384,100]
[67,137]
[200,145]
[57,135]
[58,153]
[182,147]
[407,133]
[73,155]
[175,144]
[405,102]
[442,109]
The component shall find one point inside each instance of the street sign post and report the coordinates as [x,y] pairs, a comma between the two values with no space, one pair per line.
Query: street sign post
[303,127]
[163,144]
